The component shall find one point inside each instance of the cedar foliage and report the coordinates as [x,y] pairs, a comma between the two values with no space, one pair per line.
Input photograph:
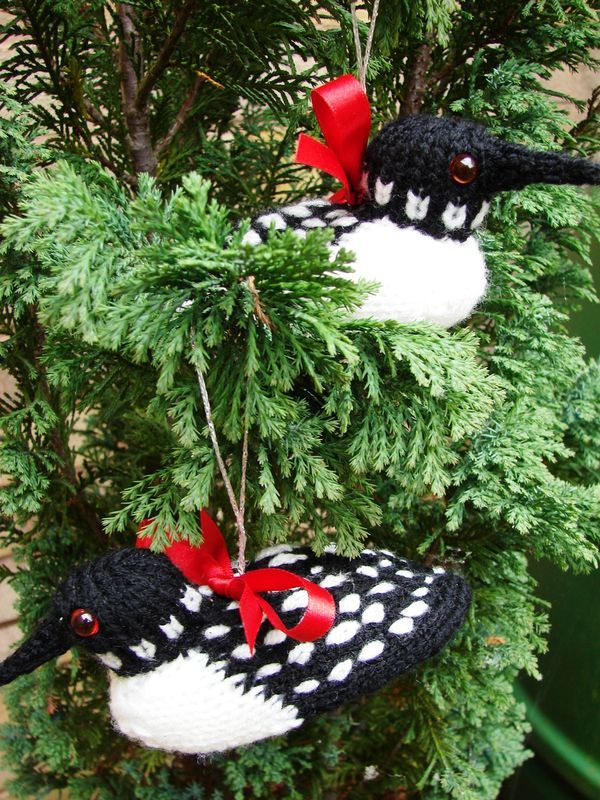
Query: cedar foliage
[161,125]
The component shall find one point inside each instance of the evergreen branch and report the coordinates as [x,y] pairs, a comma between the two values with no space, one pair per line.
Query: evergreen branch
[439,80]
[92,112]
[57,438]
[180,119]
[53,71]
[442,77]
[106,162]
[590,120]
[359,428]
[258,308]
[162,61]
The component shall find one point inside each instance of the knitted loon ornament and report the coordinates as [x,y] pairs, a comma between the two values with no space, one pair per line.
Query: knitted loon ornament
[412,201]
[183,676]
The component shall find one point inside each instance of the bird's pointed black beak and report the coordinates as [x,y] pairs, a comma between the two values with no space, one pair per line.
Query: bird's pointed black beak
[516,166]
[49,640]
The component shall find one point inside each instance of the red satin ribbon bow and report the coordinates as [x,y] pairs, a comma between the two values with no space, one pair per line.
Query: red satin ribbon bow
[210,565]
[343,112]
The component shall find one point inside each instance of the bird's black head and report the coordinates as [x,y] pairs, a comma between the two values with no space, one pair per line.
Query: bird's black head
[107,606]
[440,173]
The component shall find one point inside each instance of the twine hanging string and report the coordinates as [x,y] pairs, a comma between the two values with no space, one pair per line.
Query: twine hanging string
[363,61]
[238,508]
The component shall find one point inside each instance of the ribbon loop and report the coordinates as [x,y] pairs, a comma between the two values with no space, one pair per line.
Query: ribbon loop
[228,587]
[210,565]
[344,115]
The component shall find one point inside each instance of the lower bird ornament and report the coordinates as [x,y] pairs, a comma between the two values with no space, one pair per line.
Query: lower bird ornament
[194,671]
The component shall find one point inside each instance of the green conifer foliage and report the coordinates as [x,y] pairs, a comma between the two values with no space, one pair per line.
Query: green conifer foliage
[134,140]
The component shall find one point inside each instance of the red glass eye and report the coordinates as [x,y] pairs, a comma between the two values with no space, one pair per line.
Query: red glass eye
[84,623]
[464,169]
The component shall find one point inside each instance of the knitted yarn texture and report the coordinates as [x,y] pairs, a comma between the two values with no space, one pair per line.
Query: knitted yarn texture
[182,675]
[429,185]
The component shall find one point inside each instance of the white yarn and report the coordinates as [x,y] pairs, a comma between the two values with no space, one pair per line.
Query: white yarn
[314,222]
[454,217]
[216,631]
[172,629]
[282,559]
[306,686]
[273,219]
[383,192]
[404,573]
[331,581]
[481,215]
[274,637]
[420,278]
[191,598]
[145,650]
[402,626]
[344,222]
[416,609]
[336,214]
[371,650]
[250,237]
[416,207]
[268,669]
[300,211]
[188,706]
[341,671]
[349,603]
[273,551]
[301,653]
[373,614]
[110,660]
[242,651]
[297,599]
[343,632]
[369,572]
[383,588]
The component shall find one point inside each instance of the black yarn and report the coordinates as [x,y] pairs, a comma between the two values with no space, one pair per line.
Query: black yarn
[415,153]
[49,640]
[133,592]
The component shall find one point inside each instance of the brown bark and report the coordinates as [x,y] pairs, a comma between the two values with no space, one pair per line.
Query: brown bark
[136,91]
[139,140]
[180,119]
[591,119]
[162,62]
[416,84]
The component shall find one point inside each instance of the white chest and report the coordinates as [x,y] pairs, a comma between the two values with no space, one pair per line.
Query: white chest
[188,706]
[420,278]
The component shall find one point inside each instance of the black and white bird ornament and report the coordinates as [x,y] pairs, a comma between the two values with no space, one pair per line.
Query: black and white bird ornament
[412,201]
[182,675]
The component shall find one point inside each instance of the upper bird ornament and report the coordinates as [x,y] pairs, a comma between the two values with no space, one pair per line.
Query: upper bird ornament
[412,201]
[193,667]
